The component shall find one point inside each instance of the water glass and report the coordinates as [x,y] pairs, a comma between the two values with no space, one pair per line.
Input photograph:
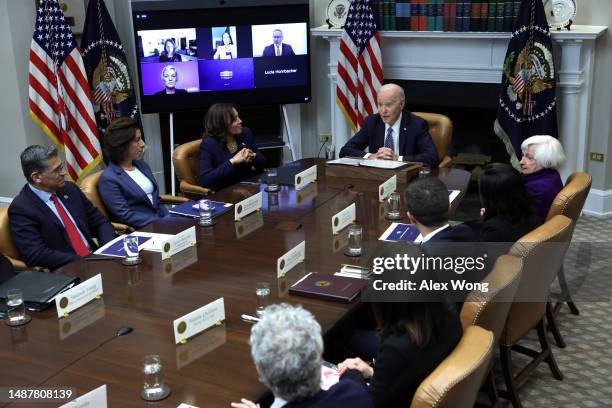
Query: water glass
[393,206]
[330,152]
[355,234]
[206,211]
[15,306]
[132,253]
[424,170]
[272,179]
[153,387]
[262,297]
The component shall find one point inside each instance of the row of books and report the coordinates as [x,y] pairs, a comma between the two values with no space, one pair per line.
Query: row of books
[446,15]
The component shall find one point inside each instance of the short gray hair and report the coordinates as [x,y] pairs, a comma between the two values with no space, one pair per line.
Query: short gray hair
[547,151]
[33,159]
[286,346]
[397,90]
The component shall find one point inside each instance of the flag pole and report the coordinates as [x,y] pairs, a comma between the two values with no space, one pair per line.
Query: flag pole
[172,182]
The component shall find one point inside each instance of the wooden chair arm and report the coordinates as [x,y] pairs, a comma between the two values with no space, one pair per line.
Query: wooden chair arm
[17,264]
[446,162]
[170,199]
[119,228]
[188,188]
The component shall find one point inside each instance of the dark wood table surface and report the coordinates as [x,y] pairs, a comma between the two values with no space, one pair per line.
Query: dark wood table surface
[215,367]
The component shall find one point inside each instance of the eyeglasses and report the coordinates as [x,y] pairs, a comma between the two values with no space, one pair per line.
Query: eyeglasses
[58,169]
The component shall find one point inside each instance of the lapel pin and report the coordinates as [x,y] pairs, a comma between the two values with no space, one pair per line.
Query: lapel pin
[65,197]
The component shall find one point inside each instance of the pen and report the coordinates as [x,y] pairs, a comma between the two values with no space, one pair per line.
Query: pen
[249,318]
[100,258]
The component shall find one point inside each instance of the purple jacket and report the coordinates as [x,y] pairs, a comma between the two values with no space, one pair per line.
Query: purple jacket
[543,186]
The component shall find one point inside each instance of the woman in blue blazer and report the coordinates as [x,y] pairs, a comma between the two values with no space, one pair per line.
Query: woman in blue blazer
[228,153]
[127,185]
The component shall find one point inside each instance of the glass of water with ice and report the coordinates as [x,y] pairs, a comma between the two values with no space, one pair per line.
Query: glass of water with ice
[16,314]
[262,297]
[153,387]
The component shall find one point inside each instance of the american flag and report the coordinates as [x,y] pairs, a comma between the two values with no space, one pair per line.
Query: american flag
[360,73]
[60,101]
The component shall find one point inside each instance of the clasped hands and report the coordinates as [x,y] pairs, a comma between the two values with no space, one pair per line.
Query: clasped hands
[245,155]
[356,364]
[384,153]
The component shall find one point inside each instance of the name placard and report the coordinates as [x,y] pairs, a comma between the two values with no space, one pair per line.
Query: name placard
[80,319]
[387,187]
[305,177]
[343,218]
[247,206]
[290,259]
[199,320]
[95,398]
[79,295]
[248,225]
[177,243]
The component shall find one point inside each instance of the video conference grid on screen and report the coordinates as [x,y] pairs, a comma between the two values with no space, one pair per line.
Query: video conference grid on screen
[202,59]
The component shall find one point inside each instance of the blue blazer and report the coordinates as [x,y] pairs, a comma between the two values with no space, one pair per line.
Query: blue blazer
[415,143]
[40,236]
[345,393]
[216,171]
[126,200]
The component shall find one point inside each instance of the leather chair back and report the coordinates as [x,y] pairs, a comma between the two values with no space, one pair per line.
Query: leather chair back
[456,381]
[441,131]
[186,159]
[542,251]
[570,200]
[490,310]
[89,187]
[7,246]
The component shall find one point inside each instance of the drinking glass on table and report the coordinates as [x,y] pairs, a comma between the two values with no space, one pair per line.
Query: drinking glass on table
[355,235]
[132,252]
[206,210]
[262,297]
[15,306]
[153,386]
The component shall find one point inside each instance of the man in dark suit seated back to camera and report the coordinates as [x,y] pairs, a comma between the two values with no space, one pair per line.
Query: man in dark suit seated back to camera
[52,222]
[393,133]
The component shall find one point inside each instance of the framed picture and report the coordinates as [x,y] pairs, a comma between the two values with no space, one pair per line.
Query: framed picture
[74,11]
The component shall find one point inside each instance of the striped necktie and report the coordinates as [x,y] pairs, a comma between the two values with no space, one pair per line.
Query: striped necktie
[389,139]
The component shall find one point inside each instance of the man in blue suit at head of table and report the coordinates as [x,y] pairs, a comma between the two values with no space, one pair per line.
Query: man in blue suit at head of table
[52,222]
[393,133]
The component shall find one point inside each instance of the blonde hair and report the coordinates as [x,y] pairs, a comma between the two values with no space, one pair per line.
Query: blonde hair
[547,151]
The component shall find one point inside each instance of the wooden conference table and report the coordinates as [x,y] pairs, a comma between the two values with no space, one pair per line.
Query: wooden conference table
[215,367]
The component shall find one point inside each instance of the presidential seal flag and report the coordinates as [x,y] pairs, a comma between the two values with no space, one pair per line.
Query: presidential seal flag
[527,104]
[107,69]
[59,97]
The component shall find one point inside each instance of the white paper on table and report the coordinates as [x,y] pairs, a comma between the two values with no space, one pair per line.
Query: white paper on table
[329,376]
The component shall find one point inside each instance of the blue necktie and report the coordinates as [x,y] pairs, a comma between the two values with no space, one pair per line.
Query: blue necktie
[389,139]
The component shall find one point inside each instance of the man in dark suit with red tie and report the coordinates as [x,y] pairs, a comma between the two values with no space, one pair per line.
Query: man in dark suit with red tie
[393,133]
[52,222]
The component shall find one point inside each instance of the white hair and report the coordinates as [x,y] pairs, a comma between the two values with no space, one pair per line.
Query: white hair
[286,346]
[168,68]
[547,151]
[397,90]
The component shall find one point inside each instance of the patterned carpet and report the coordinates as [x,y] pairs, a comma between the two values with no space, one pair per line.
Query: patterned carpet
[586,362]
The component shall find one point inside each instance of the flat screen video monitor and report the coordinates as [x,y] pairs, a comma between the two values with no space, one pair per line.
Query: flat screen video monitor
[192,54]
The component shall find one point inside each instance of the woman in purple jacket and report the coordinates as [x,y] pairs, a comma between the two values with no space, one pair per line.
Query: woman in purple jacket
[542,156]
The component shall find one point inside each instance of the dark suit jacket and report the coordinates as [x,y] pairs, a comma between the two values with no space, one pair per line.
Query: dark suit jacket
[6,269]
[342,394]
[415,142]
[40,236]
[126,200]
[401,365]
[216,171]
[270,50]
[176,91]
[501,229]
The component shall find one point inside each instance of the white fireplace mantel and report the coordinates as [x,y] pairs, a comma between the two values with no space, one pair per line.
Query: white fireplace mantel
[477,58]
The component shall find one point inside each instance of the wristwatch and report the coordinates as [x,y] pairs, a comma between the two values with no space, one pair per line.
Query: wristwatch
[337,10]
[560,13]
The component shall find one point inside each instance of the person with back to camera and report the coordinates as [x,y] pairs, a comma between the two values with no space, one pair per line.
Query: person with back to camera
[542,157]
[169,54]
[393,133]
[169,77]
[287,348]
[277,48]
[228,153]
[228,49]
[415,336]
[127,186]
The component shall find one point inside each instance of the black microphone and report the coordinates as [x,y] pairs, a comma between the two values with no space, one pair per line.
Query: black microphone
[123,330]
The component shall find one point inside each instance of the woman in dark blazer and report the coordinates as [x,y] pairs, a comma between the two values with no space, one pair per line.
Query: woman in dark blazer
[127,185]
[507,211]
[416,335]
[228,153]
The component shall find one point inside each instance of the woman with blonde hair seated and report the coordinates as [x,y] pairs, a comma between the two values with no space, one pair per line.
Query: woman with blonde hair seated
[542,157]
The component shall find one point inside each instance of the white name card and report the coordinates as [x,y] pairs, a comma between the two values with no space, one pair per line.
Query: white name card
[305,177]
[386,188]
[79,295]
[248,225]
[177,243]
[247,206]
[199,320]
[184,405]
[80,319]
[294,256]
[343,218]
[93,399]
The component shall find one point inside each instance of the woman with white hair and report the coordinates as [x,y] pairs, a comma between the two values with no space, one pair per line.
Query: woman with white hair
[286,347]
[542,157]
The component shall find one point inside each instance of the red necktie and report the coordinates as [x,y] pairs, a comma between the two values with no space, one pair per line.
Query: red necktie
[73,234]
